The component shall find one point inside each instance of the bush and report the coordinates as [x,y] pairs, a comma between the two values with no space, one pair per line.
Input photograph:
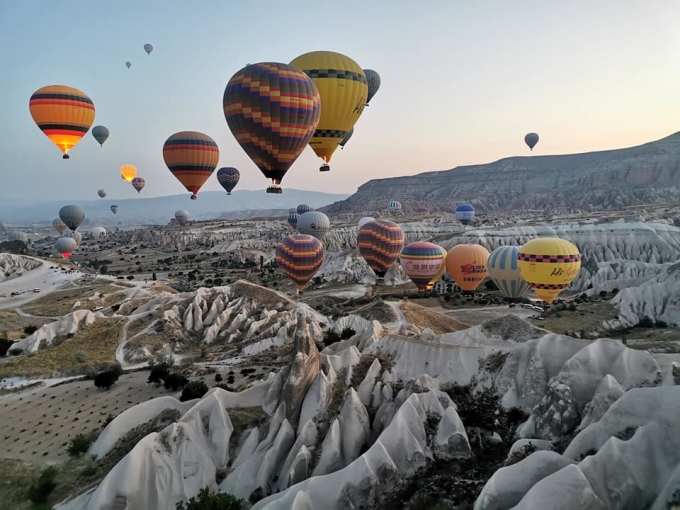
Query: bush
[39,491]
[79,445]
[105,379]
[130,277]
[175,381]
[4,346]
[218,378]
[207,500]
[225,387]
[115,308]
[30,329]
[661,324]
[193,390]
[603,293]
[646,322]
[347,333]
[330,337]
[108,420]
[158,374]
[80,357]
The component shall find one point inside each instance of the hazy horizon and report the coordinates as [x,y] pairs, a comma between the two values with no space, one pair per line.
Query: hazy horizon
[461,84]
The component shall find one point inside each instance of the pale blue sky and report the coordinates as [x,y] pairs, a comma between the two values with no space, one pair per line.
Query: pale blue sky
[462,82]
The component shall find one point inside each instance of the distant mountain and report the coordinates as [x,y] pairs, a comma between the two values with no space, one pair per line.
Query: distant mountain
[648,173]
[210,204]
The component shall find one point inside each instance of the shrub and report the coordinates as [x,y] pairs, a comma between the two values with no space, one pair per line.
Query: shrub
[330,337]
[661,324]
[130,277]
[646,322]
[79,445]
[108,420]
[207,500]
[115,308]
[193,390]
[30,329]
[218,378]
[225,387]
[41,489]
[105,379]
[158,374]
[4,346]
[175,381]
[347,333]
[572,307]
[603,293]
[80,357]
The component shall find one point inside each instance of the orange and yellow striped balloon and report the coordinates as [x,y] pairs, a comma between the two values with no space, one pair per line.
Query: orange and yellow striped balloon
[128,172]
[299,256]
[192,158]
[63,113]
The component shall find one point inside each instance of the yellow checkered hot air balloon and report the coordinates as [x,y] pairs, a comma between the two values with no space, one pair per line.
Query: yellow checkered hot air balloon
[548,265]
[344,91]
[63,114]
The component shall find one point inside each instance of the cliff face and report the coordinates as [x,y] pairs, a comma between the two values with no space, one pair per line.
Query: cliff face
[649,173]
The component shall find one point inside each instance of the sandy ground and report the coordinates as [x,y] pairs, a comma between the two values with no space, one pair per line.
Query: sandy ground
[344,292]
[476,315]
[43,277]
[37,424]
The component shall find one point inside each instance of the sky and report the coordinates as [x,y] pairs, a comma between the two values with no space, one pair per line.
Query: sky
[462,83]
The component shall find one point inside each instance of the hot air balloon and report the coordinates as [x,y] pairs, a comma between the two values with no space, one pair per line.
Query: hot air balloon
[365,220]
[191,157]
[228,178]
[101,134]
[148,48]
[531,139]
[72,216]
[465,213]
[423,263]
[299,256]
[314,223]
[373,82]
[59,225]
[293,218]
[343,90]
[380,243]
[66,246]
[303,208]
[63,113]
[504,271]
[181,216]
[114,209]
[138,183]
[97,233]
[394,205]
[128,172]
[548,265]
[16,235]
[272,110]
[101,193]
[346,138]
[128,64]
[467,265]
[74,234]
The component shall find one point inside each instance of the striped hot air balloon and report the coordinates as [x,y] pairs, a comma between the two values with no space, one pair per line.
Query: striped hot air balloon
[467,265]
[380,243]
[549,265]
[394,205]
[465,213]
[272,110]
[63,114]
[228,178]
[293,218]
[299,257]
[303,208]
[314,223]
[373,82]
[191,157]
[423,263]
[138,183]
[505,273]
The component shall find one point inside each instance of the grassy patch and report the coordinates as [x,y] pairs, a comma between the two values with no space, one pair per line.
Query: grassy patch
[98,341]
[17,477]
[60,302]
[423,318]
[12,324]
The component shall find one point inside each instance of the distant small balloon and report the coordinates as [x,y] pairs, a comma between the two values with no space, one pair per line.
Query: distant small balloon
[181,216]
[72,216]
[128,64]
[114,209]
[148,48]
[101,193]
[138,183]
[531,139]
[101,134]
[66,246]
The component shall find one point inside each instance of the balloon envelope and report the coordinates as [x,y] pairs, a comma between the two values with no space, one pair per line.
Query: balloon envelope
[343,90]
[128,172]
[114,209]
[272,110]
[549,265]
[380,243]
[394,205]
[314,223]
[299,256]
[531,139]
[467,265]
[74,234]
[148,48]
[373,82]
[465,213]
[59,225]
[66,246]
[63,114]
[191,157]
[101,134]
[182,216]
[303,208]
[16,235]
[293,218]
[101,193]
[505,273]
[128,64]
[72,216]
[423,263]
[138,183]
[228,178]
[97,233]
[346,138]
[365,220]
